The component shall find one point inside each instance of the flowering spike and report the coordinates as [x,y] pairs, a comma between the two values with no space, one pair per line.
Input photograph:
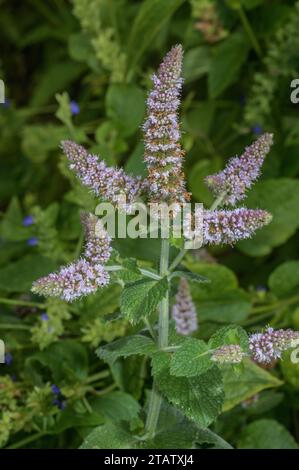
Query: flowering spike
[73,281]
[228,354]
[85,275]
[266,347]
[184,311]
[97,247]
[229,226]
[163,154]
[240,172]
[108,182]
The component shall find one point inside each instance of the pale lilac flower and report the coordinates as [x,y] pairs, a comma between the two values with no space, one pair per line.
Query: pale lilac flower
[72,282]
[98,243]
[228,354]
[84,276]
[229,226]
[240,172]
[266,347]
[184,311]
[163,154]
[107,182]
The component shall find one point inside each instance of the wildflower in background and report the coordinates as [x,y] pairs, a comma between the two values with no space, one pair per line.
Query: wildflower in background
[74,107]
[229,226]
[8,358]
[28,220]
[56,390]
[33,241]
[108,182]
[268,346]
[184,311]
[257,129]
[6,103]
[59,403]
[163,154]
[44,317]
[240,172]
[228,354]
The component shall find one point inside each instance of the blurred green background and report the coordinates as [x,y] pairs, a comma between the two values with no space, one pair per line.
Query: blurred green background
[81,70]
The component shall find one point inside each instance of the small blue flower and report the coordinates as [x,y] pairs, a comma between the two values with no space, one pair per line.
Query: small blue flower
[56,390]
[60,404]
[28,220]
[74,107]
[242,100]
[6,103]
[257,129]
[44,316]
[33,241]
[8,359]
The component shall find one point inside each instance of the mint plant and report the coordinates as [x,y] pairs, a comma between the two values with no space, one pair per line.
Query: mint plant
[187,372]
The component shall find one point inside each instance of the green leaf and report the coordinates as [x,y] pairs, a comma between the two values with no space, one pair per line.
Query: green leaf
[109,436]
[72,367]
[116,406]
[220,300]
[281,198]
[192,358]
[19,276]
[175,431]
[199,398]
[189,275]
[69,419]
[125,106]
[248,382]
[290,369]
[196,63]
[124,347]
[284,278]
[141,298]
[196,177]
[39,140]
[266,434]
[151,18]
[230,334]
[225,66]
[131,272]
[55,78]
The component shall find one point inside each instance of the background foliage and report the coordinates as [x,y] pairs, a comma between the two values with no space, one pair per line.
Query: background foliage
[81,70]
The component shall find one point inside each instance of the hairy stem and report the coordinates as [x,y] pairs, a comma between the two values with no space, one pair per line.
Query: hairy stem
[156,399]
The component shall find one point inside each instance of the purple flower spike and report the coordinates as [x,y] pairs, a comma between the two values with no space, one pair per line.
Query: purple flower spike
[97,247]
[240,172]
[163,154]
[108,182]
[74,107]
[228,354]
[228,227]
[84,276]
[33,241]
[184,311]
[28,220]
[44,316]
[266,347]
[73,281]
